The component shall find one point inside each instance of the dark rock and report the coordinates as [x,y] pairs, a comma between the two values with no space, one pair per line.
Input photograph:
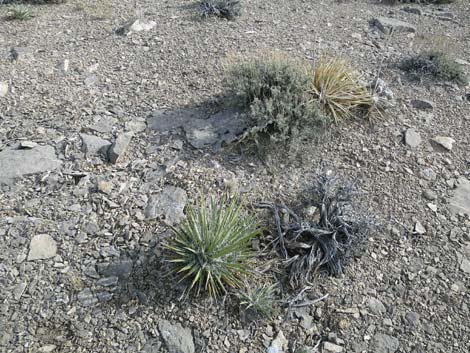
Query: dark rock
[94,145]
[121,269]
[389,25]
[169,203]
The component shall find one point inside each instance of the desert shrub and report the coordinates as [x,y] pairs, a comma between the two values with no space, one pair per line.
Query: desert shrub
[339,90]
[434,65]
[325,240]
[19,12]
[273,90]
[228,9]
[261,300]
[211,247]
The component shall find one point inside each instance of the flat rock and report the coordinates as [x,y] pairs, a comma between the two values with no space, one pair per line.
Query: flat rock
[121,269]
[460,201]
[4,88]
[201,128]
[331,347]
[413,10]
[119,147]
[21,54]
[20,162]
[178,339]
[422,104]
[389,25]
[444,141]
[104,124]
[42,246]
[382,343]
[168,204]
[136,125]
[135,25]
[412,138]
[93,145]
[429,195]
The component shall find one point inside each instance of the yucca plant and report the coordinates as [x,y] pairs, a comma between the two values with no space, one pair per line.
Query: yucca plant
[211,247]
[338,89]
[261,300]
[20,12]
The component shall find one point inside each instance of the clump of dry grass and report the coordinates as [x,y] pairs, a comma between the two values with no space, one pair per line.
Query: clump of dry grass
[339,90]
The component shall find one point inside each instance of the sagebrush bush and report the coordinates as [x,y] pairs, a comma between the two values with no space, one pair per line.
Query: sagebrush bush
[339,90]
[261,300]
[211,247]
[228,9]
[273,89]
[434,65]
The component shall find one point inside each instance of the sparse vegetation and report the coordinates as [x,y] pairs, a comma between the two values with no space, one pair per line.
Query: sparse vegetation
[228,9]
[273,90]
[434,65]
[261,300]
[212,246]
[20,12]
[338,88]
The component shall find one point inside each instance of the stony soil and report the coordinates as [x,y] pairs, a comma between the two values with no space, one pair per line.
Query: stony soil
[81,265]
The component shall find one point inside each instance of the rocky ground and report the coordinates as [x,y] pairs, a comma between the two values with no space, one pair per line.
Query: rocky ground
[101,147]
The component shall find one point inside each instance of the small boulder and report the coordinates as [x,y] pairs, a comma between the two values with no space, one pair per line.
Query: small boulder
[169,203]
[92,145]
[412,138]
[119,147]
[178,339]
[382,343]
[42,246]
[134,26]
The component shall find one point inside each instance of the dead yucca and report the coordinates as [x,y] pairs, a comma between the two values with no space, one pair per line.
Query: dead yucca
[338,89]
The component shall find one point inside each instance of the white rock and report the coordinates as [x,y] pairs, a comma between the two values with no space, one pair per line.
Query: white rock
[444,141]
[419,228]
[3,88]
[279,344]
[42,246]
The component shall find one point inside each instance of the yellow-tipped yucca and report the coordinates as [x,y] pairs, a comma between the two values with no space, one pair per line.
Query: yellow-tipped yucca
[338,89]
[211,247]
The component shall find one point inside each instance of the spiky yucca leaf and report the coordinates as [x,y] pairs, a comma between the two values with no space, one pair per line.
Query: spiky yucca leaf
[260,299]
[212,246]
[338,88]
[20,12]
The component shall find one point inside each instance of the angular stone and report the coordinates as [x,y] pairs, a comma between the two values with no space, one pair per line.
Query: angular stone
[460,202]
[429,195]
[413,10]
[444,141]
[419,228]
[177,338]
[279,344]
[412,138]
[4,88]
[135,25]
[136,125]
[20,162]
[389,25]
[87,298]
[119,147]
[382,343]
[376,306]
[169,203]
[422,104]
[42,246]
[92,145]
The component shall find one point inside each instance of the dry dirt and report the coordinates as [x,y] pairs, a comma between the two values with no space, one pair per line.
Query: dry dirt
[102,288]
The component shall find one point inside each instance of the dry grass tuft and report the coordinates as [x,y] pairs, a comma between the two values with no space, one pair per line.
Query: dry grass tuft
[339,90]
